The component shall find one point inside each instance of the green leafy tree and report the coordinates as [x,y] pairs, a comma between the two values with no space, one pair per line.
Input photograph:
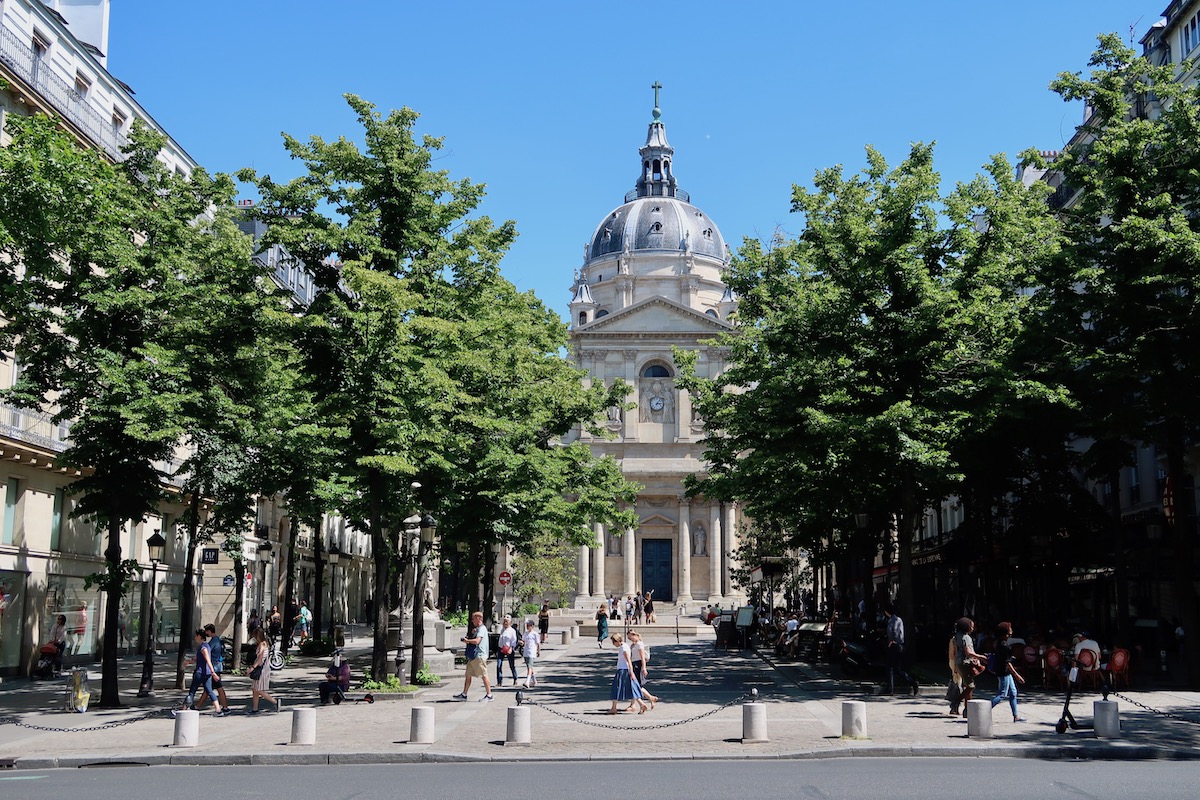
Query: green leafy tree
[93,259]
[867,347]
[1125,296]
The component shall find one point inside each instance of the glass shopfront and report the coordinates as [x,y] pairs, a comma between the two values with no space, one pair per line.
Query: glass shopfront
[67,596]
[12,605]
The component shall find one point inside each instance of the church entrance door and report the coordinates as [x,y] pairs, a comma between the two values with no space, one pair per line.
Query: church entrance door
[656,568]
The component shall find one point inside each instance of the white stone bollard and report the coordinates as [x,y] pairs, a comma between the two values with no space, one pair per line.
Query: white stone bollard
[187,729]
[566,637]
[979,719]
[304,726]
[420,731]
[854,719]
[574,632]
[754,723]
[1107,719]
[518,733]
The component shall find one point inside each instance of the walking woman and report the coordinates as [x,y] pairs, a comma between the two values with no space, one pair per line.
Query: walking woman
[1007,672]
[623,685]
[966,658]
[531,651]
[601,625]
[260,673]
[544,621]
[954,689]
[639,657]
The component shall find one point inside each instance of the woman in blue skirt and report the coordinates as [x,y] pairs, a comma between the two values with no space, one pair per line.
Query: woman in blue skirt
[624,687]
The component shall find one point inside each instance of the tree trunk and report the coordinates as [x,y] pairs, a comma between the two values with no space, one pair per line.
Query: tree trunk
[289,580]
[187,600]
[1119,573]
[381,551]
[907,526]
[110,693]
[239,603]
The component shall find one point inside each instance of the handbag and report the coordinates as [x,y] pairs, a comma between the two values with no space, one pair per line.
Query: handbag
[256,673]
[953,693]
[977,668]
[505,650]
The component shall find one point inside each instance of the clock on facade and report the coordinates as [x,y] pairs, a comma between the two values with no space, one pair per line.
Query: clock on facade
[656,404]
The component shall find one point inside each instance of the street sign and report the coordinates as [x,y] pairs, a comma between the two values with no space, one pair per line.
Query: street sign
[210,555]
[227,580]
[505,578]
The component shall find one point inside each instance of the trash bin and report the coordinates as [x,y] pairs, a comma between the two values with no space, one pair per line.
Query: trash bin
[78,693]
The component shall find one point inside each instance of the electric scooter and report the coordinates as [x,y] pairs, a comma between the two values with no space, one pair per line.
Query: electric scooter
[1068,719]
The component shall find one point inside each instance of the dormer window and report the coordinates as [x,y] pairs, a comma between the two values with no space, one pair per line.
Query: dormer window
[656,227]
[583,318]
[118,121]
[82,86]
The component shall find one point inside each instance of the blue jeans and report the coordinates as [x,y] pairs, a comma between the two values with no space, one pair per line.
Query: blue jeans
[201,680]
[1008,689]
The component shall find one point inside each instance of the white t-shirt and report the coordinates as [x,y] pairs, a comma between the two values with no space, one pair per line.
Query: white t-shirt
[1088,644]
[531,642]
[508,636]
[635,652]
[792,624]
[623,656]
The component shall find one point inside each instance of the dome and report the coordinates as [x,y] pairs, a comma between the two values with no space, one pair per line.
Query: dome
[656,223]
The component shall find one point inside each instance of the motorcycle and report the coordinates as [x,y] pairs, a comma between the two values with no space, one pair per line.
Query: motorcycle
[857,656]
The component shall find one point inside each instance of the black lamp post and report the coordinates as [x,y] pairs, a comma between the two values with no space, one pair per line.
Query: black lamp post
[156,546]
[332,555]
[428,530]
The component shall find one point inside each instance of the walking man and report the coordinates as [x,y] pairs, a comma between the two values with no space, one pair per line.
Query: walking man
[216,654]
[895,651]
[477,653]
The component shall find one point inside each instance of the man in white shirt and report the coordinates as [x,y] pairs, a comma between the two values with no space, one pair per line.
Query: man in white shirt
[1082,643]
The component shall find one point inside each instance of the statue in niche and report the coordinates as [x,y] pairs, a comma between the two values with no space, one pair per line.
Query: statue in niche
[614,544]
[699,540]
[614,414]
[657,402]
[623,266]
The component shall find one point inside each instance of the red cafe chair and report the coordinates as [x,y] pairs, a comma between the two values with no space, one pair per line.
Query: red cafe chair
[1089,669]
[1118,666]
[1028,657]
[1052,673]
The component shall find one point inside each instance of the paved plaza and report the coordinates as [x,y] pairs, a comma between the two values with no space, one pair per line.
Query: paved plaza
[803,706]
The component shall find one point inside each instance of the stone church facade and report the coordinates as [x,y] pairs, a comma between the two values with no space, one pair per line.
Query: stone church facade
[651,280]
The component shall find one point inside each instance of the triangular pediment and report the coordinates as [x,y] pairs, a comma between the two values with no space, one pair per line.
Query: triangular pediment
[655,519]
[656,315]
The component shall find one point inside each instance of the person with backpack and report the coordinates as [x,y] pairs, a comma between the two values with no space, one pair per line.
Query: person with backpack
[895,651]
[216,653]
[1001,663]
[201,676]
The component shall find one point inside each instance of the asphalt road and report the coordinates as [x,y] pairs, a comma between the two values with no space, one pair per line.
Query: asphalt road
[827,779]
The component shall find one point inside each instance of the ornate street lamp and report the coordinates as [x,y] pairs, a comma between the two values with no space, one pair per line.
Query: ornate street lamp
[332,555]
[156,546]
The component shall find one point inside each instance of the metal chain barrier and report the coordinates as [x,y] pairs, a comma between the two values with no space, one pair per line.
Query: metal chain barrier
[158,712]
[1160,712]
[525,701]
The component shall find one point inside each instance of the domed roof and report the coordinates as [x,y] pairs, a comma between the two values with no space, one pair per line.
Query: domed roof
[656,223]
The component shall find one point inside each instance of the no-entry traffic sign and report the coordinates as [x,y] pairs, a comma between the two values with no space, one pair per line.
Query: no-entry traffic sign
[505,578]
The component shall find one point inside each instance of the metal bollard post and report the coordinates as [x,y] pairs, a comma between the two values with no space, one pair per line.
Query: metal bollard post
[420,731]
[854,719]
[979,719]
[518,733]
[304,726]
[1107,719]
[187,729]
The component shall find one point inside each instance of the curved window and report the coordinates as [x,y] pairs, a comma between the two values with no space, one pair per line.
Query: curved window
[601,313]
[656,371]
[712,313]
[583,318]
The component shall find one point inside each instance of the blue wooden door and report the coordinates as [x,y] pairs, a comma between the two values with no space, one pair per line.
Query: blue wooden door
[656,568]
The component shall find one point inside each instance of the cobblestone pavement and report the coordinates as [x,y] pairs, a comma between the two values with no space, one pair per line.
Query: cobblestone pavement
[568,720]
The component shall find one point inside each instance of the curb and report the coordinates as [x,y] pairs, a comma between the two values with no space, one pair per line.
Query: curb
[1091,751]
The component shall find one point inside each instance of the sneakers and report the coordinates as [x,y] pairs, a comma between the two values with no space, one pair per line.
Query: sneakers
[279,705]
[916,688]
[252,711]
[460,696]
[487,698]
[220,712]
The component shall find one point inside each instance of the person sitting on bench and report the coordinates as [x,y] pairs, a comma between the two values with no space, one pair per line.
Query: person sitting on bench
[337,680]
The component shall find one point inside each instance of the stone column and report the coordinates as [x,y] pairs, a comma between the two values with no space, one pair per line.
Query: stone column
[582,590]
[683,420]
[730,540]
[627,546]
[685,553]
[716,585]
[601,553]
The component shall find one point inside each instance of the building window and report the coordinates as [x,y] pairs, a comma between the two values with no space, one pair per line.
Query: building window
[1191,35]
[56,519]
[12,493]
[656,371]
[82,86]
[40,44]
[118,121]
[1135,486]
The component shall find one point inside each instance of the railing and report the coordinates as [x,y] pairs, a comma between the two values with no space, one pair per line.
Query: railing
[23,60]
[33,427]
[678,194]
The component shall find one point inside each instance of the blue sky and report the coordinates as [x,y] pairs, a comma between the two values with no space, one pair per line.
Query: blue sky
[548,102]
